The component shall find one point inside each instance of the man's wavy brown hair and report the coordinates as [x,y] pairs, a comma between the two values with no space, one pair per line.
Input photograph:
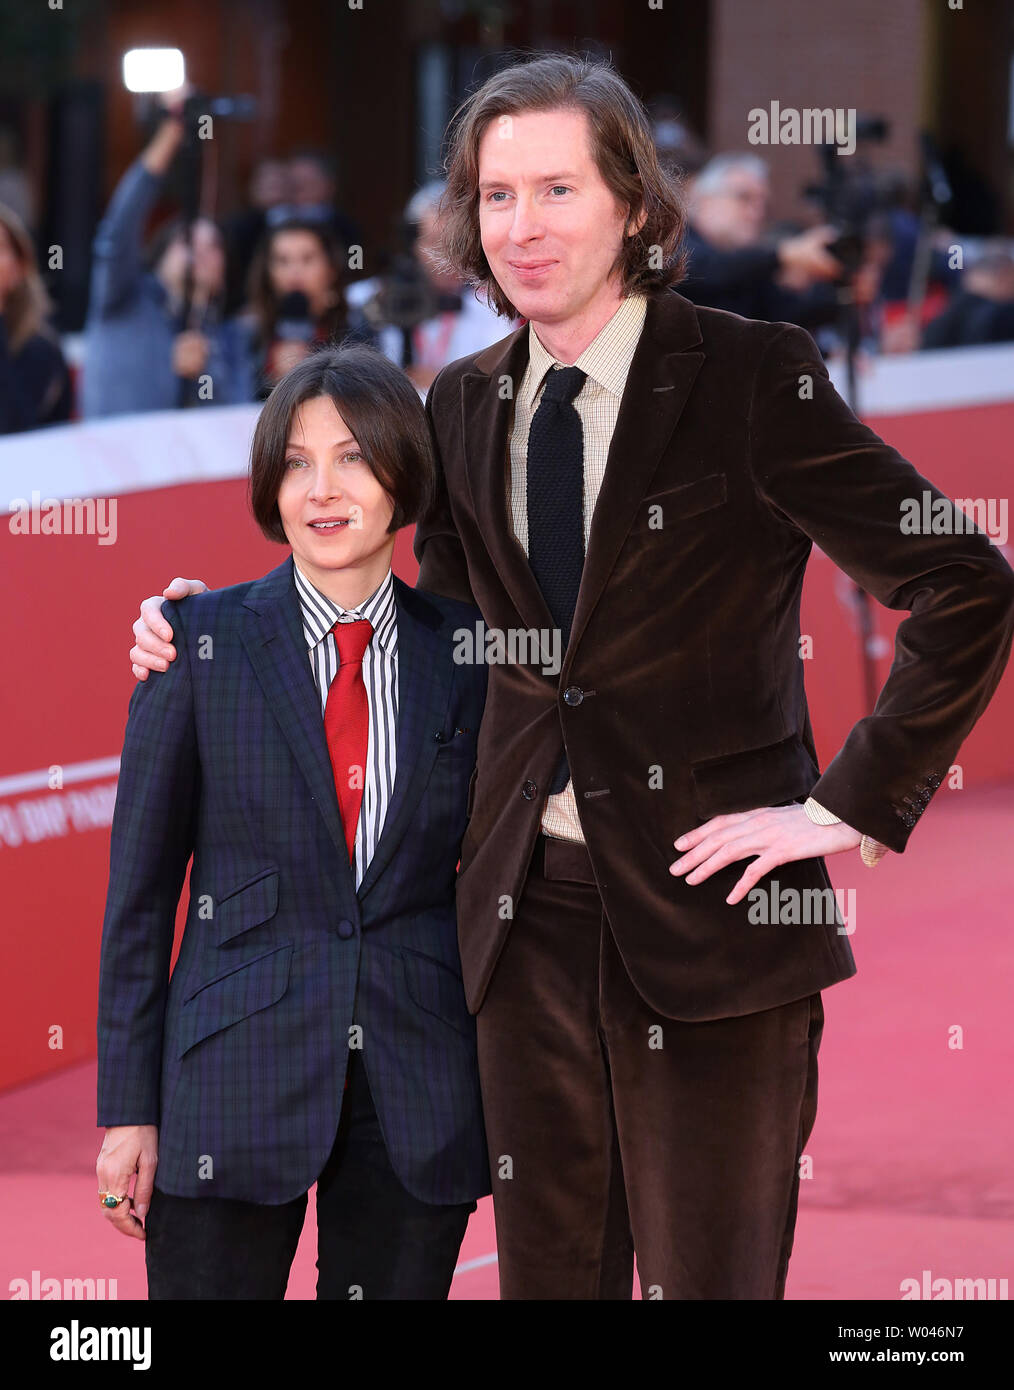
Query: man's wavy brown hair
[624,152]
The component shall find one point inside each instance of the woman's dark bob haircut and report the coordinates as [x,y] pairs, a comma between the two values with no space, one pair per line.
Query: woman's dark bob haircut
[382,410]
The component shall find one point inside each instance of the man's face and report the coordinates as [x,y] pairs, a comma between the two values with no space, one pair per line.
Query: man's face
[550,227]
[734,215]
[309,184]
[269,185]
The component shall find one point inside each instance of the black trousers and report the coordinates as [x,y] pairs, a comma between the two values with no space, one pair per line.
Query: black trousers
[374,1239]
[613,1129]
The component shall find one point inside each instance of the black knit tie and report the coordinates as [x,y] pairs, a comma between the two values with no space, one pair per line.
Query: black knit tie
[556,506]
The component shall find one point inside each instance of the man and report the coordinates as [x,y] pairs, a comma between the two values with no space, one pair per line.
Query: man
[267,192]
[647,1049]
[313,191]
[731,263]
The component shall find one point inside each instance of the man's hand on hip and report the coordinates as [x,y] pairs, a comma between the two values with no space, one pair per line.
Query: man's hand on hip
[777,834]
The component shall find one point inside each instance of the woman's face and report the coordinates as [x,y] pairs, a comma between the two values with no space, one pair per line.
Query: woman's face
[334,511]
[204,254]
[11,269]
[297,261]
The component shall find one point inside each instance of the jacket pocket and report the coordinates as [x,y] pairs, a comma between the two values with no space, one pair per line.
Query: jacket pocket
[253,902]
[437,989]
[232,995]
[685,500]
[458,747]
[772,775]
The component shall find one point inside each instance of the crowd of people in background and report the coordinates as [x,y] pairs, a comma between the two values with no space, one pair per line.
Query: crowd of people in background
[202,313]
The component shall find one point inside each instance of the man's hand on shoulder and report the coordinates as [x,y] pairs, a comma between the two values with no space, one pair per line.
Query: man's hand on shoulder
[776,834]
[153,649]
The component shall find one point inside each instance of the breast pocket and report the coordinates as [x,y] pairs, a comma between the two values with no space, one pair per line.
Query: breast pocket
[683,501]
[774,774]
[241,990]
[253,902]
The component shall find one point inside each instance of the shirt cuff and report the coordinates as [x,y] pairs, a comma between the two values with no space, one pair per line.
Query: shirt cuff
[871,851]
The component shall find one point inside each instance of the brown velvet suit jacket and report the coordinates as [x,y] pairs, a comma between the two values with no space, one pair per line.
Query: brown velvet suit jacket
[685,644]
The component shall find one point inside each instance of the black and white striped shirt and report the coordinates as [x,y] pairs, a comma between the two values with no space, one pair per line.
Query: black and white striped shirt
[380,676]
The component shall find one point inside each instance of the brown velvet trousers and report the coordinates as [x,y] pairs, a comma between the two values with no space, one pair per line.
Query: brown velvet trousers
[613,1129]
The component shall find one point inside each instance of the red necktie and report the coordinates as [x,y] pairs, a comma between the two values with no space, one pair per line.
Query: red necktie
[347,723]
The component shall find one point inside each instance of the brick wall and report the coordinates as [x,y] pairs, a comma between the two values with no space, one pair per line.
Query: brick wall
[866,54]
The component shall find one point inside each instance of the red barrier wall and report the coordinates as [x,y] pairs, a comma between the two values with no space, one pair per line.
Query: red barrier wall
[65,633]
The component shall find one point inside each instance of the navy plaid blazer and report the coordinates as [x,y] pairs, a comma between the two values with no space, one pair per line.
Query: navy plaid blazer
[240,1056]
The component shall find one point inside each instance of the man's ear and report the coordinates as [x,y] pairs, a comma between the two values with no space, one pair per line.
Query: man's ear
[639,222]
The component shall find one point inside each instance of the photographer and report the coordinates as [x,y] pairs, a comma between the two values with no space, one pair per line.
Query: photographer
[732,266]
[312,184]
[421,311]
[150,346]
[296,300]
[244,230]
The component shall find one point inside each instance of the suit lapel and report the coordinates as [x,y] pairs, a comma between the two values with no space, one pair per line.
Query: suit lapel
[662,373]
[486,420]
[658,384]
[272,634]
[424,689]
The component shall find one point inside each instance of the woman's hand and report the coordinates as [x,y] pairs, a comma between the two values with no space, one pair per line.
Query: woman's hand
[153,650]
[126,1150]
[190,354]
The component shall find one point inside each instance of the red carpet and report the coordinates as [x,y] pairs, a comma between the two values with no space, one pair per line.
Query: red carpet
[912,1150]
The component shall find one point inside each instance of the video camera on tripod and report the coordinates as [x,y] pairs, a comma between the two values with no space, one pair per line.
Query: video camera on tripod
[405,296]
[849,194]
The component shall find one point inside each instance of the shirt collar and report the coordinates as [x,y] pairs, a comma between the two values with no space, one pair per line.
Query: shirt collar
[607,357]
[320,613]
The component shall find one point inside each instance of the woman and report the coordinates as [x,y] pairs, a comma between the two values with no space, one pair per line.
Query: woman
[156,337]
[314,1028]
[297,299]
[35,384]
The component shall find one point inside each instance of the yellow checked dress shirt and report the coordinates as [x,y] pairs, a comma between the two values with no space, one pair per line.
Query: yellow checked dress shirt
[605,362]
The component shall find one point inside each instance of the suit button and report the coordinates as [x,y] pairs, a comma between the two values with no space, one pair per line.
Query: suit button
[573,695]
[528,790]
[346,929]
